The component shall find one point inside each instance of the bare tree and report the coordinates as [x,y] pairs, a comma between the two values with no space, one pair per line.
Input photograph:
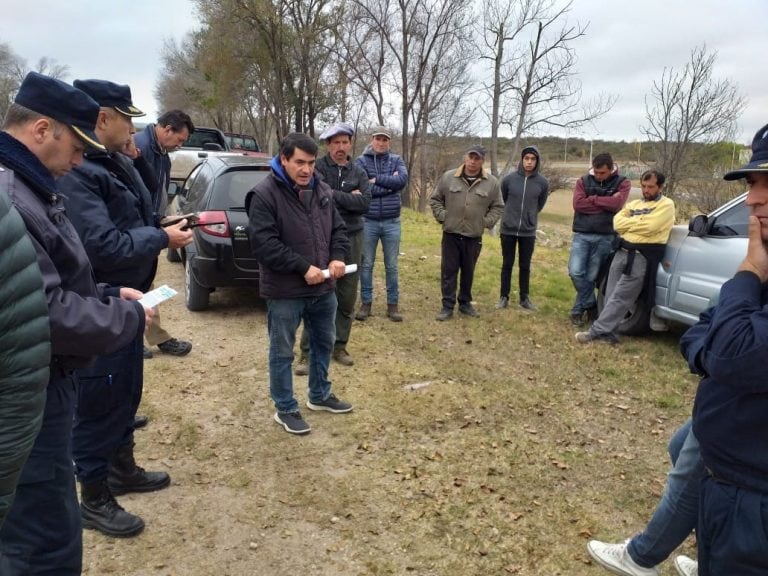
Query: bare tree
[537,85]
[421,36]
[501,25]
[13,69]
[362,54]
[688,106]
[10,65]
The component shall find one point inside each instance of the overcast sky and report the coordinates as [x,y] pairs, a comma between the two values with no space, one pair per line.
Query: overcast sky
[627,46]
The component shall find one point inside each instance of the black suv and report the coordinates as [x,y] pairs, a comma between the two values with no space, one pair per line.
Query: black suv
[220,254]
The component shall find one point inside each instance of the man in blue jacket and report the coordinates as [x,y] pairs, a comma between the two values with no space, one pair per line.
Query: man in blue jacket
[300,241]
[388,177]
[44,136]
[155,143]
[729,349]
[112,212]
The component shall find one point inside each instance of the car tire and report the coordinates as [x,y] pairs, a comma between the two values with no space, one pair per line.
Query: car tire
[196,297]
[638,318]
[173,255]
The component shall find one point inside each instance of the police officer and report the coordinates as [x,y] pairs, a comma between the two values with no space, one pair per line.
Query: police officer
[111,210]
[44,135]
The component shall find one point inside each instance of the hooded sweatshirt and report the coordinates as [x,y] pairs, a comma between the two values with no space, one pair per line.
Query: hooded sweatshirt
[524,197]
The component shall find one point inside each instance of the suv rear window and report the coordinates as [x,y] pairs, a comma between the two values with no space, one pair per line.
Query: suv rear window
[231,187]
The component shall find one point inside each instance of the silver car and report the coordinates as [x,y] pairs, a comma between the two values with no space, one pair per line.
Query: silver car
[699,258]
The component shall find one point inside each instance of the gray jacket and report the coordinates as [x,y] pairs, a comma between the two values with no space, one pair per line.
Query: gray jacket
[524,197]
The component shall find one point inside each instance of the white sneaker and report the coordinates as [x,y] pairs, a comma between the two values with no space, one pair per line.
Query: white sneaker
[616,559]
[686,567]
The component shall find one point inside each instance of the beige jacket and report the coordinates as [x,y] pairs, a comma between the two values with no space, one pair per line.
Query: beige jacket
[464,209]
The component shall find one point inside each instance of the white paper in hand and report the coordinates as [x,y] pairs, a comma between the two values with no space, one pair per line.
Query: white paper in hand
[348,269]
[156,296]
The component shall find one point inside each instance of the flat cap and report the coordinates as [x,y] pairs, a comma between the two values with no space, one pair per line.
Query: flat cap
[340,128]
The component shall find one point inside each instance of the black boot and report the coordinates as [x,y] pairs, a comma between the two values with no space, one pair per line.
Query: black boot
[100,511]
[125,476]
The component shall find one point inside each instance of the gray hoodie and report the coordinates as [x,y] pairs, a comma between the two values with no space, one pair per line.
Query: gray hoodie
[524,197]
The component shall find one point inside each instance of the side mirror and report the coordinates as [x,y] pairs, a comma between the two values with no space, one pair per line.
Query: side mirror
[173,189]
[699,225]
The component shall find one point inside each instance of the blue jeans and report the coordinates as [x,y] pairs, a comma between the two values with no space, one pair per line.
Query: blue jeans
[388,231]
[677,513]
[588,254]
[283,319]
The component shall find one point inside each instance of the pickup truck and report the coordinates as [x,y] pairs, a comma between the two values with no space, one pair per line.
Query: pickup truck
[203,142]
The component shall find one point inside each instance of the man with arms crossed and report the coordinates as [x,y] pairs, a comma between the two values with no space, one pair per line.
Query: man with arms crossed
[596,198]
[643,226]
[350,186]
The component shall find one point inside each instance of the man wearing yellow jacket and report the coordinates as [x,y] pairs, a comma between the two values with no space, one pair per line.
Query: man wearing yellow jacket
[643,226]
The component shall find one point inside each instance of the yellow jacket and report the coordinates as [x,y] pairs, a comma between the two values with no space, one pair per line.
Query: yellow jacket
[645,222]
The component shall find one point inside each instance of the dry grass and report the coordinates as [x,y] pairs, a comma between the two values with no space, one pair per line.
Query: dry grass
[477,446]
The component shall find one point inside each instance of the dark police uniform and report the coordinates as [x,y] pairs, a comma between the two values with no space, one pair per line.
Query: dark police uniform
[112,212]
[42,533]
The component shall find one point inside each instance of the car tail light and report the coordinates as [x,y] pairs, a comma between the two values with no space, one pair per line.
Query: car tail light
[214,223]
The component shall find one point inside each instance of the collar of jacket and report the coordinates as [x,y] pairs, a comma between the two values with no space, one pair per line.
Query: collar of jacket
[153,140]
[331,162]
[24,163]
[281,176]
[459,171]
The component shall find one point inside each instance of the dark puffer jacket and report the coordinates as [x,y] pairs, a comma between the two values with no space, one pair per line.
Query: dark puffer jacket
[391,178]
[25,346]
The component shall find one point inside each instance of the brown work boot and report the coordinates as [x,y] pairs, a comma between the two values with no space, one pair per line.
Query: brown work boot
[302,366]
[393,313]
[342,357]
[364,312]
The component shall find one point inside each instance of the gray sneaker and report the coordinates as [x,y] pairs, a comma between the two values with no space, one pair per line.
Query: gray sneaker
[331,404]
[293,422]
[468,310]
[526,304]
[444,314]
[502,303]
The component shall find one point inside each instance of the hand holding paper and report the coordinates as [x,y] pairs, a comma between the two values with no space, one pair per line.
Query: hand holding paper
[348,269]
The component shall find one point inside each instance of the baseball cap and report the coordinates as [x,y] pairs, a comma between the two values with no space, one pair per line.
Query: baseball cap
[62,102]
[477,149]
[759,160]
[381,131]
[110,95]
[337,129]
